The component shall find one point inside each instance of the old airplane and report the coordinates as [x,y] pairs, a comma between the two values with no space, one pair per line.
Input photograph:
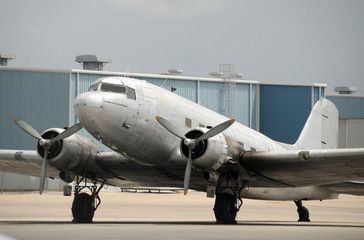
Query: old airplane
[160,139]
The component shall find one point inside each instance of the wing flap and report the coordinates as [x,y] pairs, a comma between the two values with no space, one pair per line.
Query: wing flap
[304,168]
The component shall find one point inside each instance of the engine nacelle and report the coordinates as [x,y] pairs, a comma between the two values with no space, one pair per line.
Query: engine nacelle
[72,155]
[208,154]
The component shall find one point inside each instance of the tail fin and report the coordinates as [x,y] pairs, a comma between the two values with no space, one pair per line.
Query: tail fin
[321,128]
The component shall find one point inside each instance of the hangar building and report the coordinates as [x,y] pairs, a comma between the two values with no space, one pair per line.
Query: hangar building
[44,98]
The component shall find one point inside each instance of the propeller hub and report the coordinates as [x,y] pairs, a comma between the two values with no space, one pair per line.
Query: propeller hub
[190,143]
[45,143]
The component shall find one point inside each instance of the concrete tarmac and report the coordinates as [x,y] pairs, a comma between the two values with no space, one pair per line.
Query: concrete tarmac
[175,216]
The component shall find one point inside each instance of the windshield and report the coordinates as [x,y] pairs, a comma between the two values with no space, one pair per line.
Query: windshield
[94,87]
[107,87]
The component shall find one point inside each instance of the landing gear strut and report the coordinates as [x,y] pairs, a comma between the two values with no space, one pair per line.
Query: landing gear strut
[303,213]
[85,205]
[228,200]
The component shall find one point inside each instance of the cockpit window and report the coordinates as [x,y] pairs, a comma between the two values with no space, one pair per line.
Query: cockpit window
[131,93]
[94,87]
[107,87]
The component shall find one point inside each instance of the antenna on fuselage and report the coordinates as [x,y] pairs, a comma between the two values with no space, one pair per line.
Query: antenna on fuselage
[127,71]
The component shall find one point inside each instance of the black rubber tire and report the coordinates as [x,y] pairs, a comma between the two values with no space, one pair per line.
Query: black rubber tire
[225,209]
[83,208]
[304,214]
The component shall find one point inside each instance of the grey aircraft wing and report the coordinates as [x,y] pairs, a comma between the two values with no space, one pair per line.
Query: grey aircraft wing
[24,162]
[353,188]
[121,171]
[304,168]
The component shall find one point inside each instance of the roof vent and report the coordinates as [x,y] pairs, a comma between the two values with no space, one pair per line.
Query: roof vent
[345,90]
[175,71]
[5,58]
[237,75]
[216,74]
[92,62]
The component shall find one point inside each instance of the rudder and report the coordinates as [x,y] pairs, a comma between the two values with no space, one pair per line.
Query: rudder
[321,128]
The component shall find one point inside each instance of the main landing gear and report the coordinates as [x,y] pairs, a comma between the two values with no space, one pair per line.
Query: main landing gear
[303,213]
[228,200]
[85,205]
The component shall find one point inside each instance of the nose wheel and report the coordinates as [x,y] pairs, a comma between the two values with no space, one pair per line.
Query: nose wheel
[84,205]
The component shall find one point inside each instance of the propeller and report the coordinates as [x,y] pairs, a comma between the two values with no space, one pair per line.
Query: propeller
[192,143]
[46,143]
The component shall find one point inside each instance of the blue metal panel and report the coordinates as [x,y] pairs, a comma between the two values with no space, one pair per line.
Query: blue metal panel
[211,95]
[284,111]
[85,81]
[322,92]
[242,104]
[254,107]
[185,88]
[316,94]
[39,98]
[349,107]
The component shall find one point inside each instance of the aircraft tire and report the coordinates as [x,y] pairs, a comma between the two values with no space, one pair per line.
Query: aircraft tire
[225,209]
[82,208]
[304,214]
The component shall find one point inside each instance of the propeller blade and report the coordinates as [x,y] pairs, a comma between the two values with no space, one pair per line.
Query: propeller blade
[27,128]
[43,173]
[187,178]
[215,130]
[170,127]
[68,132]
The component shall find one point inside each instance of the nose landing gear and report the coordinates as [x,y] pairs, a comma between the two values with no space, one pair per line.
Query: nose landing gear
[85,205]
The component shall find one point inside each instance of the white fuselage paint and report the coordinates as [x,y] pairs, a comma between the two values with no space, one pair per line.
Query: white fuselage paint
[128,126]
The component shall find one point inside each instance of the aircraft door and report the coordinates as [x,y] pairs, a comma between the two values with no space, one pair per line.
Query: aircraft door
[142,116]
[131,119]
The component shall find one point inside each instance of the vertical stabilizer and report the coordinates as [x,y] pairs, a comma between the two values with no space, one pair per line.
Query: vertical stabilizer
[321,128]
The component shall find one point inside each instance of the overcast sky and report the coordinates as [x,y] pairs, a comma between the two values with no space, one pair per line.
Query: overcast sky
[302,41]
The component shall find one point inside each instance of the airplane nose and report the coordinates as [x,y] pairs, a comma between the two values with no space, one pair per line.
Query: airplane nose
[88,106]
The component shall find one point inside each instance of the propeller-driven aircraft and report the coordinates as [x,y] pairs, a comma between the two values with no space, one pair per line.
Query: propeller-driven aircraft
[160,139]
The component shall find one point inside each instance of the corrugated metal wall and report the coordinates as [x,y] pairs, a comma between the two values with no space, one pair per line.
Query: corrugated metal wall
[350,107]
[211,95]
[351,133]
[351,123]
[242,104]
[284,111]
[39,98]
[185,88]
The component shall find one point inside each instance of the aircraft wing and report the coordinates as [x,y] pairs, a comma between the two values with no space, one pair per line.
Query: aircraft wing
[121,171]
[24,162]
[353,188]
[305,168]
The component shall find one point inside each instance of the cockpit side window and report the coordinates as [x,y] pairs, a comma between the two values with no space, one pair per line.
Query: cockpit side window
[107,87]
[131,93]
[93,87]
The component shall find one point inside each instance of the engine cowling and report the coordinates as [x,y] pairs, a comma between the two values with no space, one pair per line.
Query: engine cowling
[73,155]
[209,154]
